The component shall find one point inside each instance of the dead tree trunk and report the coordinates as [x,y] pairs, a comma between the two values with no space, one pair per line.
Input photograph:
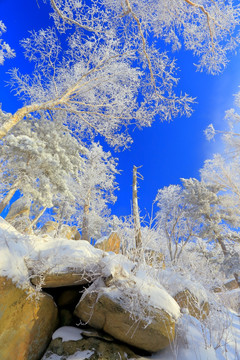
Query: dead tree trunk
[136,216]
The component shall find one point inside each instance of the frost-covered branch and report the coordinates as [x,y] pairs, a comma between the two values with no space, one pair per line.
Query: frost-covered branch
[5,49]
[69,20]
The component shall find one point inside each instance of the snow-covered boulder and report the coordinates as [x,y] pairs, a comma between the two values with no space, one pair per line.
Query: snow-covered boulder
[27,320]
[80,344]
[62,262]
[129,308]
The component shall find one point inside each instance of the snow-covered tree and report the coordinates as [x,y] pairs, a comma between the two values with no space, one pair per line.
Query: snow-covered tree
[39,158]
[5,49]
[97,80]
[173,221]
[214,209]
[92,83]
[136,214]
[197,209]
[96,190]
[223,169]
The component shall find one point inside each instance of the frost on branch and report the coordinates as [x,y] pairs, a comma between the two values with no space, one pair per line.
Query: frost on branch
[207,28]
[5,49]
[112,73]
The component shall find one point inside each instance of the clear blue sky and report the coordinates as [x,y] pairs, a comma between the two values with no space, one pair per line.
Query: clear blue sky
[166,151]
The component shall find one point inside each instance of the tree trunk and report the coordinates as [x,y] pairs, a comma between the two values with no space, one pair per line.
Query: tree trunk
[60,220]
[223,246]
[136,217]
[9,196]
[85,223]
[35,220]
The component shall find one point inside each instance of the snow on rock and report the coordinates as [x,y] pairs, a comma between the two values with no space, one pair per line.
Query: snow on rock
[67,333]
[22,254]
[58,255]
[79,355]
[137,314]
[14,249]
[115,265]
[27,321]
[176,283]
[121,269]
[101,240]
[134,309]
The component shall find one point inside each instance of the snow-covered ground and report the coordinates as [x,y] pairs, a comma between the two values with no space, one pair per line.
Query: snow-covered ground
[195,342]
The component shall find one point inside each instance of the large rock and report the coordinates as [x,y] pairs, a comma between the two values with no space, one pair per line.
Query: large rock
[130,312]
[88,345]
[111,243]
[26,322]
[187,300]
[71,278]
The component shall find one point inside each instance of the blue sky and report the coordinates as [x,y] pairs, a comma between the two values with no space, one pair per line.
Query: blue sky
[166,151]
